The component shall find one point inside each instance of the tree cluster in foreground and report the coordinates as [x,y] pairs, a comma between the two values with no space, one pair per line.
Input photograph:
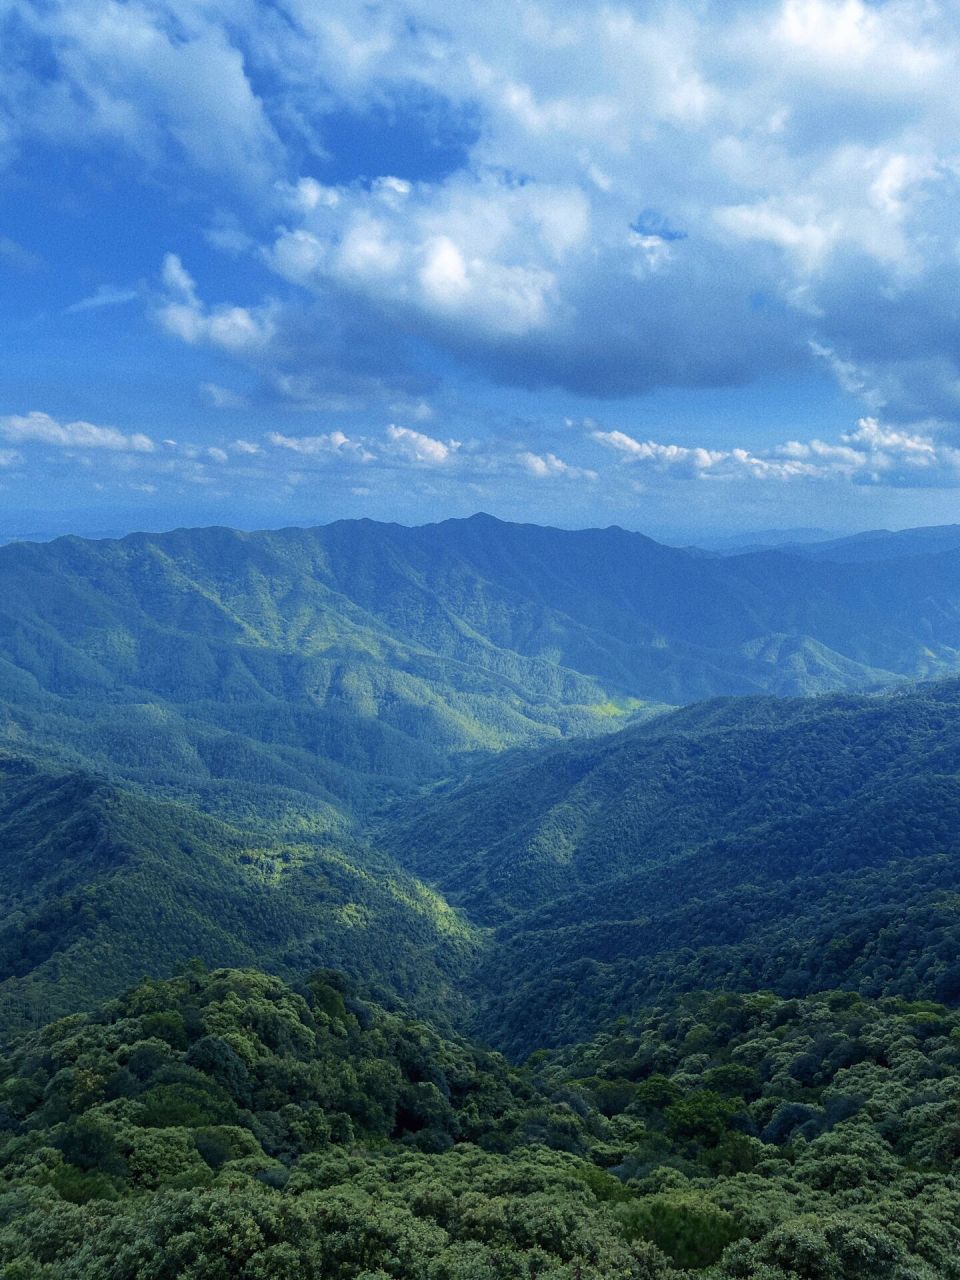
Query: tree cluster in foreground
[225,1124]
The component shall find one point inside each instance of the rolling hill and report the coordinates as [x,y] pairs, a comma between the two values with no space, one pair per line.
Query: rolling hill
[100,886]
[795,844]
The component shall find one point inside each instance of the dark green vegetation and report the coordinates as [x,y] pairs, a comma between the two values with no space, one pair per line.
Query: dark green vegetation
[100,887]
[797,845]
[728,937]
[225,1126]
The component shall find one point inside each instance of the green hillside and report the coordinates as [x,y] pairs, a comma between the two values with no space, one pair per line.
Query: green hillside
[796,845]
[99,887]
[367,775]
[304,675]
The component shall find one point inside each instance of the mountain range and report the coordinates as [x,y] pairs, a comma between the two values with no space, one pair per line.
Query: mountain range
[317,671]
[349,743]
[295,825]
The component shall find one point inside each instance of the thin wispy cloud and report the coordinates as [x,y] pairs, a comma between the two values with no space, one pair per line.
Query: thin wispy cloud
[105,296]
[222,397]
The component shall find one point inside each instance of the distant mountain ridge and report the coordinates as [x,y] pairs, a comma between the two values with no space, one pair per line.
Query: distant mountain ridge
[882,544]
[317,670]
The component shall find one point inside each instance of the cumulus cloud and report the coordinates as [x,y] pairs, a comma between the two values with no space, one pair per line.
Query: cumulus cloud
[416,447]
[818,178]
[334,442]
[41,428]
[166,81]
[237,330]
[646,196]
[549,465]
[870,453]
[399,447]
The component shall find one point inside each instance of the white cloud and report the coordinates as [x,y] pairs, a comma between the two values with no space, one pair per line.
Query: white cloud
[806,147]
[416,447]
[696,459]
[870,453]
[165,80]
[549,465]
[237,330]
[479,252]
[105,296]
[419,410]
[334,442]
[41,428]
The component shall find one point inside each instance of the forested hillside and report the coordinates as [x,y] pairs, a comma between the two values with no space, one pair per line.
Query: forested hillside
[718,944]
[100,887]
[797,845]
[223,1125]
[305,674]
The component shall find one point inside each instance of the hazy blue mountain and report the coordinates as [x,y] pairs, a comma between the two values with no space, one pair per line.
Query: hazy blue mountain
[297,674]
[882,544]
[735,544]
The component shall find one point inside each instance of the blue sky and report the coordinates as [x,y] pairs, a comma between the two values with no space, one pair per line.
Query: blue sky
[673,266]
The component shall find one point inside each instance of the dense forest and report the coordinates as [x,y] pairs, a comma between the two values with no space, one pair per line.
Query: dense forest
[101,886]
[365,913]
[225,1125]
[796,845]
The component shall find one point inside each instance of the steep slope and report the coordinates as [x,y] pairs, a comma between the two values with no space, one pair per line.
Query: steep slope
[240,670]
[747,843]
[305,674]
[99,887]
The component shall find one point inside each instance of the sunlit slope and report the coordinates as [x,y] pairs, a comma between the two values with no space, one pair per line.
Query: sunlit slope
[99,886]
[304,674]
[237,668]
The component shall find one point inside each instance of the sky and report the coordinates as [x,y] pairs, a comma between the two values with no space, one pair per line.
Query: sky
[675,266]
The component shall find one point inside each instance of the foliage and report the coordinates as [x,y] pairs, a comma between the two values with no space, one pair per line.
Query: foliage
[721,931]
[224,1124]
[304,675]
[798,845]
[100,886]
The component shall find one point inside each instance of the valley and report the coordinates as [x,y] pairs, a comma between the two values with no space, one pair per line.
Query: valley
[410,809]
